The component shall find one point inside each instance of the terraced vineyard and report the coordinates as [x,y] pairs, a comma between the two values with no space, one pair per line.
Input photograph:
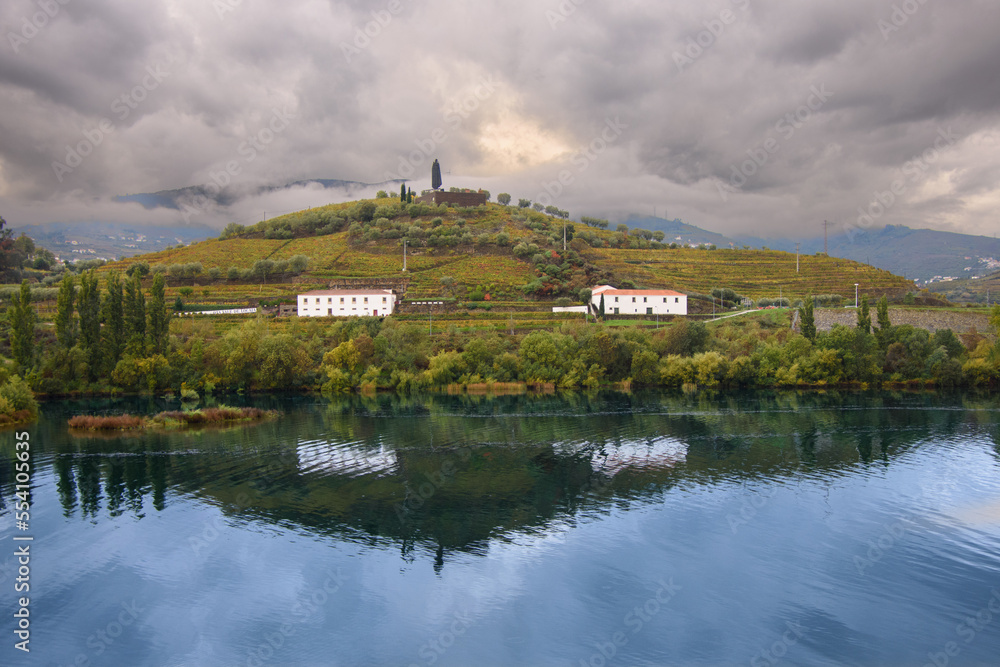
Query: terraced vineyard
[489,249]
[752,273]
[241,253]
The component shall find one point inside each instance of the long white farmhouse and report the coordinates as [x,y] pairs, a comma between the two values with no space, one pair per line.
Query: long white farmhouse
[639,301]
[347,303]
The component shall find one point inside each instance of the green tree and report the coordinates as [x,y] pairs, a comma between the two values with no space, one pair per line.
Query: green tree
[113,316]
[864,316]
[159,323]
[89,307]
[66,329]
[523,203]
[402,192]
[503,198]
[883,334]
[22,327]
[600,308]
[135,316]
[808,320]
[994,318]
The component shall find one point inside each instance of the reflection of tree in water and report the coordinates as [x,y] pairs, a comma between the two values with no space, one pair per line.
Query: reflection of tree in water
[452,473]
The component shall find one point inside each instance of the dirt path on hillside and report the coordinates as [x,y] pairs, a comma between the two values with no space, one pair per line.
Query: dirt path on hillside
[932,320]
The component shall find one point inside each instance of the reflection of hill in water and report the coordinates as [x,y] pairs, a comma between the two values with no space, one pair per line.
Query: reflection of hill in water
[453,472]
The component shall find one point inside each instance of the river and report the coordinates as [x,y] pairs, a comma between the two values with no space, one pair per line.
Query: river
[577,529]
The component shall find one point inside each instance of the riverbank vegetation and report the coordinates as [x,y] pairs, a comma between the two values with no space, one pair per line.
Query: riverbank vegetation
[171,419]
[119,342]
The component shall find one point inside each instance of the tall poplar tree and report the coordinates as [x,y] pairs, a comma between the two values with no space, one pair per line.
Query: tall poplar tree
[809,320]
[865,316]
[89,307]
[135,316]
[22,328]
[159,324]
[113,315]
[66,327]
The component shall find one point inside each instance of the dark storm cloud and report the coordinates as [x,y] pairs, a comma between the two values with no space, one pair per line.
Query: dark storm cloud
[372,88]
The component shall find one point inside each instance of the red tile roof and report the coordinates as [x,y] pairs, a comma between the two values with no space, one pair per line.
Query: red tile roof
[642,292]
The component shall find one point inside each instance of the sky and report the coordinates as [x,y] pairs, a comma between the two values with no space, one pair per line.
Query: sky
[746,117]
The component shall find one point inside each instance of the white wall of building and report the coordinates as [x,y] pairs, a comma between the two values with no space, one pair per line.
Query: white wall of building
[640,302]
[327,303]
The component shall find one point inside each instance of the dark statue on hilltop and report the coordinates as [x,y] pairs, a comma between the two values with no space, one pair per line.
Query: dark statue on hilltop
[436,176]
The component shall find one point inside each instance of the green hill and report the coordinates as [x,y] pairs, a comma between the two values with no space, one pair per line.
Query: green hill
[512,254]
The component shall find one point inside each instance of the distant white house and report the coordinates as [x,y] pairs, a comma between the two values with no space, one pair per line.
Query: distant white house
[347,303]
[639,301]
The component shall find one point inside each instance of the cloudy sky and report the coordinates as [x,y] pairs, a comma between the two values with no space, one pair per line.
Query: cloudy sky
[740,116]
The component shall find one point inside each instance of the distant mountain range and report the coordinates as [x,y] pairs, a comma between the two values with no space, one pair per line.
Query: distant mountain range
[924,255]
[108,240]
[919,254]
[70,241]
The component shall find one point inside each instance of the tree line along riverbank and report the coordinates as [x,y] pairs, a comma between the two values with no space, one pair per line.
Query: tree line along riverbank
[113,342]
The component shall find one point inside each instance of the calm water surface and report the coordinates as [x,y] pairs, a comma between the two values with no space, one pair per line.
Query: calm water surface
[650,529]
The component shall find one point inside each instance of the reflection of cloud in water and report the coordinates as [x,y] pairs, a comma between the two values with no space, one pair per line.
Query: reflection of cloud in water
[352,459]
[664,452]
[983,513]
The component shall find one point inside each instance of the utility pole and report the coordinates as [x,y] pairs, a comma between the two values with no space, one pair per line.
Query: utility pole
[796,258]
[564,236]
[404,254]
[855,295]
[825,225]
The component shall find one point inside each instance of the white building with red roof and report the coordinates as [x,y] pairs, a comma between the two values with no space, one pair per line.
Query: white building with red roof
[639,301]
[347,303]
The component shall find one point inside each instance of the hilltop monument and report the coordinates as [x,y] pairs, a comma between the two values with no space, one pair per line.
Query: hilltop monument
[454,197]
[435,175]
